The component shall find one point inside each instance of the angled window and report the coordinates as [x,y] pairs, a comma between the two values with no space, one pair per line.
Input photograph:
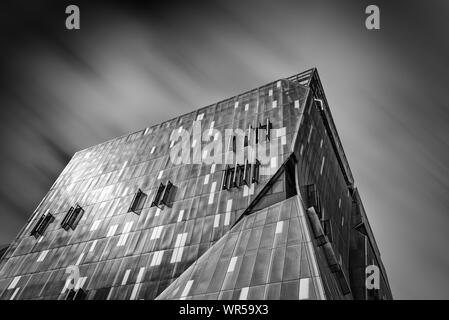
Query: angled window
[165,199]
[247,173]
[248,137]
[255,172]
[240,170]
[138,202]
[332,261]
[240,174]
[327,228]
[72,218]
[313,198]
[79,294]
[224,179]
[158,195]
[235,177]
[342,282]
[228,176]
[316,226]
[42,224]
[267,127]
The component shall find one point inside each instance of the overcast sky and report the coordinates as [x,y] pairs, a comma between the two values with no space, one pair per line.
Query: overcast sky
[133,66]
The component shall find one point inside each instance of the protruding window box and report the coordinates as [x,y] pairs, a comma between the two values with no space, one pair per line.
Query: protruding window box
[332,261]
[316,227]
[163,195]
[342,282]
[327,228]
[158,196]
[42,224]
[267,127]
[72,218]
[255,172]
[166,196]
[138,202]
[240,175]
[79,294]
[313,198]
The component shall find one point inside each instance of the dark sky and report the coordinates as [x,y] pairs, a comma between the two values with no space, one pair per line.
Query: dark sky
[132,66]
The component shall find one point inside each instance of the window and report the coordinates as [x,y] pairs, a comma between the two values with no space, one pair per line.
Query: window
[42,256]
[332,261]
[255,172]
[158,195]
[212,191]
[230,178]
[163,195]
[342,282]
[244,293]
[279,227]
[186,290]
[217,221]
[240,175]
[156,234]
[313,198]
[227,176]
[79,294]
[166,197]
[267,127]
[246,174]
[304,288]
[232,263]
[95,225]
[179,247]
[42,224]
[72,218]
[112,230]
[247,139]
[14,283]
[157,258]
[317,227]
[327,228]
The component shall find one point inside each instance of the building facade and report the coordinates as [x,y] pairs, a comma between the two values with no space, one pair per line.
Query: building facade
[194,209]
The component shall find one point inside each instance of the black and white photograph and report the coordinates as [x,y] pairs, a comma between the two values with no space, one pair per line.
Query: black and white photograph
[247,150]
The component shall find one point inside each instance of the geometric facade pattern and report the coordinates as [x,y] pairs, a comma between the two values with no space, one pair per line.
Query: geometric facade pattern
[266,255]
[123,221]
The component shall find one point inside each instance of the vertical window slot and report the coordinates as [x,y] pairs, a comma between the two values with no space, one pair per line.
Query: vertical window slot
[158,195]
[167,192]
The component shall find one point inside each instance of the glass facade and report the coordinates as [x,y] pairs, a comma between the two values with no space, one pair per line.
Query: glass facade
[137,225]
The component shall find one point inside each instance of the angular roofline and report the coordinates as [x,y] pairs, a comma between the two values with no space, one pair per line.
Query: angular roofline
[333,134]
[304,76]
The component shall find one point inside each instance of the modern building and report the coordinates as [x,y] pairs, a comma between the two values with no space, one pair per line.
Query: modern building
[269,211]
